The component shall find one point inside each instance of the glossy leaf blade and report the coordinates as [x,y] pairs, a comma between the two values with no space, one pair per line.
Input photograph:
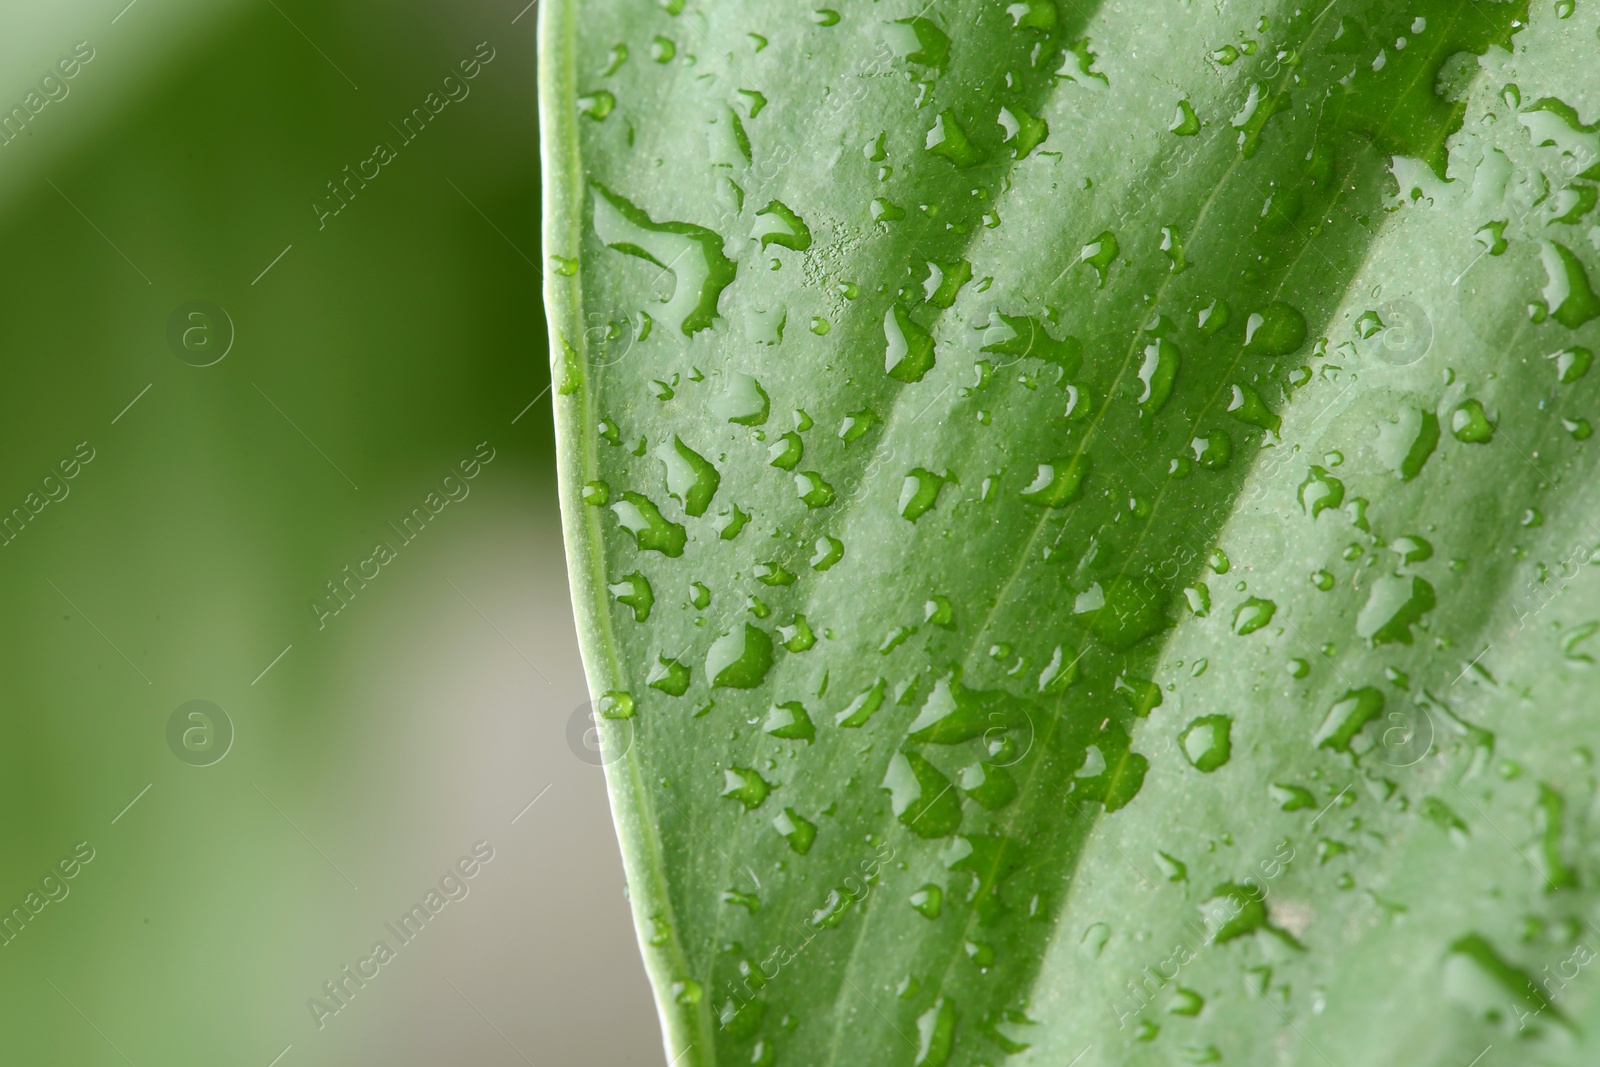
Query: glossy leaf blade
[1197,667]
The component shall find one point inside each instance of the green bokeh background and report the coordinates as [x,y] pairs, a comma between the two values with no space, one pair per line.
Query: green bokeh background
[422,718]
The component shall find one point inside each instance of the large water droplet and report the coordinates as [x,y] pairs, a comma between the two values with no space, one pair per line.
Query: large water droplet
[990,784]
[922,798]
[816,492]
[1057,484]
[1252,615]
[651,532]
[746,786]
[918,40]
[1320,492]
[669,676]
[1276,330]
[1394,605]
[1405,443]
[634,591]
[909,354]
[826,552]
[691,478]
[790,722]
[936,1034]
[1023,131]
[1471,425]
[692,254]
[1100,253]
[1185,123]
[949,140]
[786,452]
[1346,718]
[1026,337]
[740,658]
[929,900]
[1157,372]
[1247,406]
[919,492]
[797,636]
[742,400]
[863,707]
[1567,294]
[1208,742]
[799,831]
[777,225]
[1571,363]
[617,704]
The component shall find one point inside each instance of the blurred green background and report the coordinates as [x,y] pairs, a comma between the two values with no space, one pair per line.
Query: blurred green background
[370,754]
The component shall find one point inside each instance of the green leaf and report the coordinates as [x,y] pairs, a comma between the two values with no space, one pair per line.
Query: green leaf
[1178,688]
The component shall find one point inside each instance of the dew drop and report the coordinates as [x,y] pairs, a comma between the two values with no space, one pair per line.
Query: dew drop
[1157,373]
[692,254]
[669,676]
[929,901]
[795,828]
[1058,483]
[919,492]
[1405,442]
[634,591]
[948,139]
[1207,742]
[691,479]
[1100,253]
[785,453]
[1185,123]
[1471,425]
[790,722]
[1278,329]
[777,225]
[746,786]
[863,707]
[826,552]
[597,105]
[936,1034]
[1346,718]
[650,531]
[740,658]
[1320,492]
[909,354]
[797,636]
[921,797]
[816,492]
